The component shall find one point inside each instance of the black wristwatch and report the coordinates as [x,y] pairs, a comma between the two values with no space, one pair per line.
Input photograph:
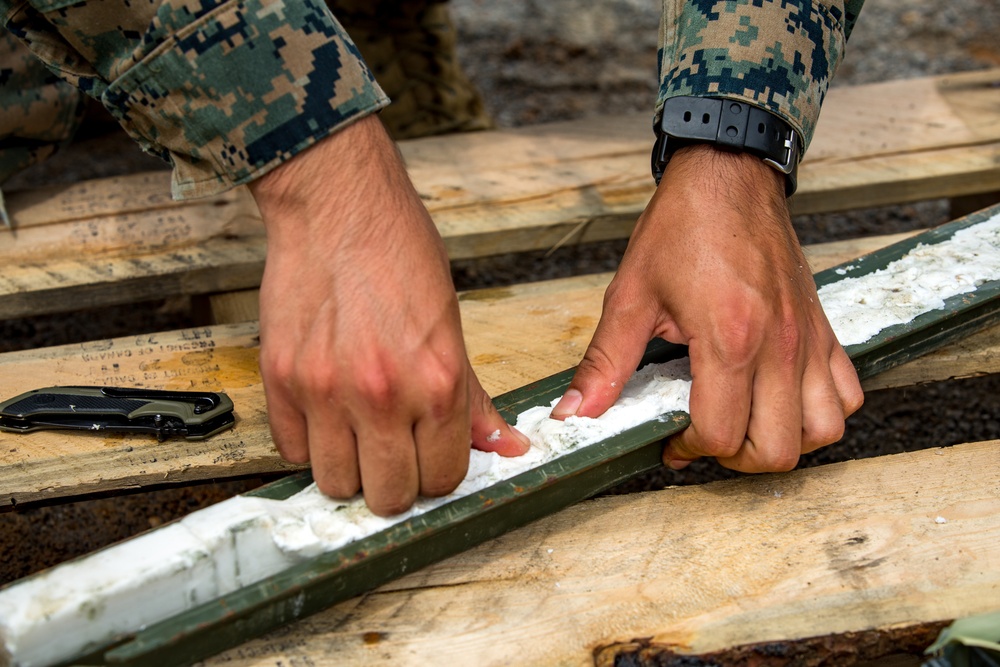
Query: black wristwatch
[730,125]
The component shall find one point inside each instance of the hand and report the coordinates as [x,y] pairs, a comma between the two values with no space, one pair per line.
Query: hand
[362,355]
[714,263]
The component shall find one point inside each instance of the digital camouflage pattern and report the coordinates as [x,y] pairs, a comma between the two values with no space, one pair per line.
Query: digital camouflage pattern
[227,89]
[410,45]
[776,54]
[223,89]
[38,111]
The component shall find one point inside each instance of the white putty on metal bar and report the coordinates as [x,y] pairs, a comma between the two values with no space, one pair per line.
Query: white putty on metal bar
[243,540]
[919,282]
[82,605]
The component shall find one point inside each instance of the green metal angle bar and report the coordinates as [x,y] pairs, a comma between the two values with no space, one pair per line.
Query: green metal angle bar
[468,521]
[314,586]
[961,315]
[420,541]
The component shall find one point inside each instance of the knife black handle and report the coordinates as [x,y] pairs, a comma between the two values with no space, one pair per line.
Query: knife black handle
[193,415]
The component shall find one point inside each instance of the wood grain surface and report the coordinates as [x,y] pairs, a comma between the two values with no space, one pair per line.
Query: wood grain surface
[123,240]
[514,336]
[865,544]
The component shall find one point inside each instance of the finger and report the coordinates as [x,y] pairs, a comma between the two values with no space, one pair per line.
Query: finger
[441,436]
[490,433]
[845,378]
[334,453]
[611,358]
[288,426]
[672,456]
[387,459]
[719,407]
[822,410]
[773,440]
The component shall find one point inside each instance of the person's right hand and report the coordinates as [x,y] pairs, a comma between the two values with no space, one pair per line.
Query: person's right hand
[714,264]
[362,355]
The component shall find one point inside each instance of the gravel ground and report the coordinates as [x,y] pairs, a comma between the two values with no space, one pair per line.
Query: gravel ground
[543,61]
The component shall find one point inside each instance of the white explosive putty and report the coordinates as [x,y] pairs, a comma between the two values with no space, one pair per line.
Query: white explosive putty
[919,282]
[244,540]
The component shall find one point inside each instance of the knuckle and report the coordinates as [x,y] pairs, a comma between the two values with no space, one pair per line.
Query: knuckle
[316,379]
[779,459]
[390,504]
[624,296]
[483,404]
[440,485]
[277,368]
[597,363]
[443,387]
[739,341]
[742,332]
[338,487]
[615,296]
[298,455]
[720,446]
[854,400]
[377,387]
[771,457]
[788,341]
[824,432]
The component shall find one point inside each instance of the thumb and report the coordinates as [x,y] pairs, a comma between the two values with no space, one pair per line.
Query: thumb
[614,352]
[490,433]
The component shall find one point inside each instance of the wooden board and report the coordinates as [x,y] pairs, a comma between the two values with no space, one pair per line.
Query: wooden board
[122,240]
[555,322]
[916,139]
[844,547]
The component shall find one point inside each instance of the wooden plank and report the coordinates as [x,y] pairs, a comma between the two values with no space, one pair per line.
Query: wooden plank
[232,307]
[45,466]
[555,321]
[977,355]
[122,239]
[865,544]
[243,306]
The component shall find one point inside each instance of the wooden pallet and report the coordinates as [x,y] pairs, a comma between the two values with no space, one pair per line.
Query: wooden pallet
[556,321]
[122,240]
[844,547]
[875,543]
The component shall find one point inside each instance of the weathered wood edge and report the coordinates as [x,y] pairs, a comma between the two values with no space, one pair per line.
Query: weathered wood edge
[588,209]
[450,529]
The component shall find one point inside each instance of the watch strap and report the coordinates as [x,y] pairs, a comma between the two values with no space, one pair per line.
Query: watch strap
[729,125]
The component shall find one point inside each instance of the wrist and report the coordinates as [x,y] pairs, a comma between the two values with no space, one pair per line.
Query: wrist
[730,125]
[326,176]
[725,174]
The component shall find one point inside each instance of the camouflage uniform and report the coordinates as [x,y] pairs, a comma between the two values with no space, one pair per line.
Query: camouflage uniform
[38,110]
[227,89]
[776,54]
[223,89]
[411,46]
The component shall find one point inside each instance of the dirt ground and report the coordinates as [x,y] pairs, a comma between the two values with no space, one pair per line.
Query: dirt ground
[542,61]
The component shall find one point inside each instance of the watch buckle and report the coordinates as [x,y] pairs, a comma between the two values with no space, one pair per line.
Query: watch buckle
[791,155]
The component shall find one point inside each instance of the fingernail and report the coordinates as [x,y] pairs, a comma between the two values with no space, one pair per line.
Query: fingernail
[520,436]
[678,464]
[568,404]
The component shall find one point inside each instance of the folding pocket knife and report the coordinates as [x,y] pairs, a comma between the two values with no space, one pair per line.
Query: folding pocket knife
[193,415]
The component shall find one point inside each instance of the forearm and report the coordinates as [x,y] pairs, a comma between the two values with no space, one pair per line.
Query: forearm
[780,56]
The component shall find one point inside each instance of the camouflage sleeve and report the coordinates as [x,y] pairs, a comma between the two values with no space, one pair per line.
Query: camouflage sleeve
[777,54]
[223,89]
[38,111]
